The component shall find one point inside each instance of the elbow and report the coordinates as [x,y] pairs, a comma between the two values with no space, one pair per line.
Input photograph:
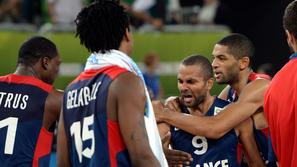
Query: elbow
[214,133]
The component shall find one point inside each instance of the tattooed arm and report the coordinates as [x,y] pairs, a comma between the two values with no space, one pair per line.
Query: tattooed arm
[130,98]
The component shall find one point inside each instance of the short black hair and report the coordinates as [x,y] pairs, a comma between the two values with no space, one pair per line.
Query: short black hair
[102,25]
[202,61]
[290,18]
[35,48]
[238,45]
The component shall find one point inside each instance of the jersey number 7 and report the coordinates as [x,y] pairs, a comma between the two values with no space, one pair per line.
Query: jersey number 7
[11,124]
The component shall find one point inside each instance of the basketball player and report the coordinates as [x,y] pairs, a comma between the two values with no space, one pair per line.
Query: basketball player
[280,98]
[231,65]
[194,83]
[29,105]
[107,112]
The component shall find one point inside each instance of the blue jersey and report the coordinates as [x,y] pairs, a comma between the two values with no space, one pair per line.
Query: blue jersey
[261,136]
[93,139]
[23,140]
[207,152]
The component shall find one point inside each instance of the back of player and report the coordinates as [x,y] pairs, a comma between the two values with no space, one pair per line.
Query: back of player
[22,107]
[85,115]
[204,151]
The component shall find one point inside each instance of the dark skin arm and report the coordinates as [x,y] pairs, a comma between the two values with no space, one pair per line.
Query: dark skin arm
[52,114]
[250,100]
[174,157]
[128,90]
[62,145]
[246,137]
[52,108]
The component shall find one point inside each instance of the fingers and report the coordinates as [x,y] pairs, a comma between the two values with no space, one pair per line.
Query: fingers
[173,104]
[177,157]
[157,105]
[166,137]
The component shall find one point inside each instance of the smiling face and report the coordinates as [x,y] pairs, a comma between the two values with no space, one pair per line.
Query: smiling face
[192,85]
[225,66]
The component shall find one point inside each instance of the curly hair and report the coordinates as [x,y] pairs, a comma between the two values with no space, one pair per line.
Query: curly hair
[102,25]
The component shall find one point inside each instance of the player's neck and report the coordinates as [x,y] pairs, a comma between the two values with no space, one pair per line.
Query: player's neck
[26,71]
[242,80]
[203,108]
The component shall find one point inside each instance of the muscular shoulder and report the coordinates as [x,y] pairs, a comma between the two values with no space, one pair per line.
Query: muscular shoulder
[54,98]
[254,91]
[258,85]
[127,84]
[52,108]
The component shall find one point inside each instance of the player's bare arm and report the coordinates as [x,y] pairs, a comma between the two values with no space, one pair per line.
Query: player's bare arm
[174,157]
[163,128]
[62,145]
[52,108]
[130,103]
[250,100]
[247,139]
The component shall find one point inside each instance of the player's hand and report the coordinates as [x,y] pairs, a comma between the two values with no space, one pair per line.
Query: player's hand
[158,110]
[173,104]
[177,158]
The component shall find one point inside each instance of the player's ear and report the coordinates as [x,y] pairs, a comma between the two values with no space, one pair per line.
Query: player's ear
[209,83]
[290,38]
[128,35]
[44,62]
[244,62]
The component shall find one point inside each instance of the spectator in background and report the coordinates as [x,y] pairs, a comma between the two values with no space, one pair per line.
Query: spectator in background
[10,8]
[152,80]
[63,11]
[148,11]
[31,11]
[213,12]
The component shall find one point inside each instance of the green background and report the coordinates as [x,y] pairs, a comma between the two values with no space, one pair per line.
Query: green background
[172,47]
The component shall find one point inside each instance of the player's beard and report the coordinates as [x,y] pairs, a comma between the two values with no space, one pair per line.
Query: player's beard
[229,77]
[196,101]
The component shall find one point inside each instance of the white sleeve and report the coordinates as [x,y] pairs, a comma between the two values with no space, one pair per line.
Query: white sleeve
[142,5]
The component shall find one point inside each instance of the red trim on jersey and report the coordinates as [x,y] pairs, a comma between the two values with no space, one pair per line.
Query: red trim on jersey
[29,80]
[115,141]
[265,131]
[111,71]
[239,153]
[253,76]
[43,145]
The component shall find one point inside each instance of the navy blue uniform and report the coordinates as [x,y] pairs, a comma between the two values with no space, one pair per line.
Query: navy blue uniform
[93,140]
[261,136]
[204,151]
[23,140]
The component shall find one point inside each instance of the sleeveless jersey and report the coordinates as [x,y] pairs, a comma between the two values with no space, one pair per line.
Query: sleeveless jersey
[261,136]
[23,140]
[207,152]
[93,140]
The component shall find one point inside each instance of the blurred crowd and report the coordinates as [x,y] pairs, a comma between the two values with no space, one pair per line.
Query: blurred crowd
[155,12]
